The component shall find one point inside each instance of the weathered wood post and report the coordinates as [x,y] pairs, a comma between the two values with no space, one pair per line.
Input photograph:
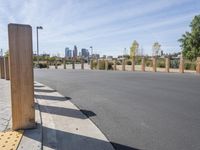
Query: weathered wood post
[98,64]
[47,64]
[64,63]
[143,64]
[6,67]
[123,64]
[2,70]
[181,64]
[167,64]
[198,65]
[115,64]
[21,75]
[56,64]
[106,64]
[91,64]
[82,63]
[73,63]
[154,59]
[133,64]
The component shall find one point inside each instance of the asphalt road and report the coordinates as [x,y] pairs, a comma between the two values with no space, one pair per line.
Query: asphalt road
[135,110]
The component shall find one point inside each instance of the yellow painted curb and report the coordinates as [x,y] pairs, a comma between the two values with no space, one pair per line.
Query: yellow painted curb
[10,140]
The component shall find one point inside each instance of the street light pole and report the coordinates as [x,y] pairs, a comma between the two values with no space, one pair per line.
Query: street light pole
[37,28]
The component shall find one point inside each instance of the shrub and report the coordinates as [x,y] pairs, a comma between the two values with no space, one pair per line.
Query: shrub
[148,63]
[190,66]
[128,62]
[42,65]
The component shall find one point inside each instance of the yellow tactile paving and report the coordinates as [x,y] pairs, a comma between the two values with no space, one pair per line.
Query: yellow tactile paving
[9,140]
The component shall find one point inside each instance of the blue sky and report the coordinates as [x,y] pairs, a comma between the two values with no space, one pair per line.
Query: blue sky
[107,25]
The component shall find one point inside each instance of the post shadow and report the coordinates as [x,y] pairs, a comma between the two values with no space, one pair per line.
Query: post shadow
[38,86]
[57,98]
[42,90]
[65,111]
[66,140]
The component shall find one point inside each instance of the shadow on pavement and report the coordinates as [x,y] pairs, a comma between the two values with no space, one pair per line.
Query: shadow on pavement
[88,113]
[65,111]
[38,86]
[46,97]
[65,140]
[42,90]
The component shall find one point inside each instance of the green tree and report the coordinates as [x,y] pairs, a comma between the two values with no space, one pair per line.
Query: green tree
[190,41]
[156,49]
[134,48]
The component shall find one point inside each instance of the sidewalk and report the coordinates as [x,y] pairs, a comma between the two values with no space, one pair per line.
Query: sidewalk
[5,105]
[61,125]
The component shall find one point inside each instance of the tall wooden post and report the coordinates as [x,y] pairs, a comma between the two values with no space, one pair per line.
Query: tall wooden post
[73,64]
[47,64]
[106,64]
[143,64]
[2,70]
[98,64]
[133,64]
[91,64]
[167,60]
[6,68]
[56,64]
[64,63]
[115,64]
[181,64]
[123,65]
[198,65]
[82,63]
[154,64]
[21,75]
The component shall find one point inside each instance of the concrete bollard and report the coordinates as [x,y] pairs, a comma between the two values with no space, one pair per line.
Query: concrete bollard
[143,64]
[123,65]
[167,60]
[6,68]
[133,64]
[82,64]
[21,75]
[106,64]
[154,60]
[2,70]
[181,65]
[56,64]
[64,63]
[91,64]
[115,64]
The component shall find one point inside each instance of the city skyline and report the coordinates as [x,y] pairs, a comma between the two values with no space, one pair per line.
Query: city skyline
[108,26]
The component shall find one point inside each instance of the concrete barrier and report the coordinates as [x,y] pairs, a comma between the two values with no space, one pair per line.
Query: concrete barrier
[21,75]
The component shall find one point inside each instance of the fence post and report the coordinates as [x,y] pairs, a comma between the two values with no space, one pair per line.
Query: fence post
[6,68]
[82,63]
[106,64]
[167,60]
[181,65]
[64,63]
[47,64]
[143,64]
[98,64]
[154,64]
[21,75]
[133,64]
[2,70]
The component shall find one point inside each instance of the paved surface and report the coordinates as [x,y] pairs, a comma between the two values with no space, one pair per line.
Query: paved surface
[153,111]
[61,125]
[5,105]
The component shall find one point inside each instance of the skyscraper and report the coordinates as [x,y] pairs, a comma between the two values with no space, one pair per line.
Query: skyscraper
[68,53]
[84,53]
[75,52]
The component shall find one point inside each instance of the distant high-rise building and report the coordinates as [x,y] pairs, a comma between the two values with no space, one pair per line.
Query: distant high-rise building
[84,53]
[68,53]
[75,52]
